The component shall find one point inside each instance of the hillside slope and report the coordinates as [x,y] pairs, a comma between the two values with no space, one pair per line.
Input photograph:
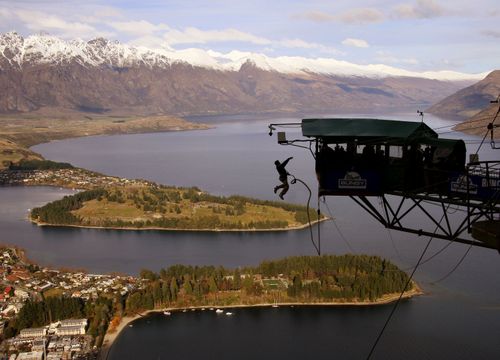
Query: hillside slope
[471,100]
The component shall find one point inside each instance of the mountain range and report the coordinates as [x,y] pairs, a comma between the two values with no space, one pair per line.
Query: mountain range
[46,74]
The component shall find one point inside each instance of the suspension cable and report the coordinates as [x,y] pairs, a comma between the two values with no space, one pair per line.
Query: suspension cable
[294,181]
[399,299]
[455,267]
[343,237]
[338,228]
[319,227]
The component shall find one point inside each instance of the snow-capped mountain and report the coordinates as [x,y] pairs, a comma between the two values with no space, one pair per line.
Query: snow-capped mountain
[42,71]
[46,49]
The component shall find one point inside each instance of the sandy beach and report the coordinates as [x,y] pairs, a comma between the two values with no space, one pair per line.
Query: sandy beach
[110,337]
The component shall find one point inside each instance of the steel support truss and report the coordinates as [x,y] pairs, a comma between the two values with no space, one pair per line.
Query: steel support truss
[394,214]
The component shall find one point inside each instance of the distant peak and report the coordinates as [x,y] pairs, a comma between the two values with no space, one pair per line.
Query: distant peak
[12,33]
[248,64]
[11,36]
[100,41]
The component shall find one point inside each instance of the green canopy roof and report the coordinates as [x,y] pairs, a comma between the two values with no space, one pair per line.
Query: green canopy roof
[345,129]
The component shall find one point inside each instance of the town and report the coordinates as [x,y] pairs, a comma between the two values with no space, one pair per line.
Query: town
[72,178]
[22,281]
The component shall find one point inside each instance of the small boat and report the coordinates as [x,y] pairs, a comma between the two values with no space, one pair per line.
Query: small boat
[219,311]
[229,313]
[168,313]
[184,310]
[274,305]
[131,325]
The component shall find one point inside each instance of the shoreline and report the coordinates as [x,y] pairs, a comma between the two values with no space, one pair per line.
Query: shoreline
[110,338]
[299,227]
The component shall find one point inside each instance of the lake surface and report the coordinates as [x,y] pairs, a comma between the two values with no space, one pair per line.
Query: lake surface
[458,318]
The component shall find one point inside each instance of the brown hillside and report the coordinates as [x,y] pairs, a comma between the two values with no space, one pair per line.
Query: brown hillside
[477,124]
[183,89]
[470,101]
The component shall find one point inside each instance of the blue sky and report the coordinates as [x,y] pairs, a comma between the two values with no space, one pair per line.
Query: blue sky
[416,35]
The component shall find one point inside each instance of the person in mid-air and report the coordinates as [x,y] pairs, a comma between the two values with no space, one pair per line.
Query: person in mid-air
[280,167]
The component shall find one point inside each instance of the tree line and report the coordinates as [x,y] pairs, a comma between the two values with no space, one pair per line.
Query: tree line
[59,211]
[325,278]
[40,165]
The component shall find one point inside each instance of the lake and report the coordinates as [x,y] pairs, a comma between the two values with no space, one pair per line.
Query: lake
[457,318]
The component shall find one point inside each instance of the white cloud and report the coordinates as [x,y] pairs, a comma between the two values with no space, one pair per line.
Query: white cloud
[298,43]
[150,41]
[315,16]
[138,28]
[196,36]
[422,9]
[362,16]
[352,16]
[39,21]
[355,42]
[388,58]
[97,14]
[192,35]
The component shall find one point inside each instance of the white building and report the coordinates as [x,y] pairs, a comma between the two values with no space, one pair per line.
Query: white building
[21,294]
[10,308]
[32,355]
[73,322]
[55,355]
[38,345]
[70,330]
[33,332]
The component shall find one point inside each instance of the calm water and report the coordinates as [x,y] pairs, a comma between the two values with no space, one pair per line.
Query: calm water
[310,333]
[458,318]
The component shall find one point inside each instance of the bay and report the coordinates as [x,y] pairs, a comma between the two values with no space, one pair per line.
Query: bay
[308,333]
[457,318]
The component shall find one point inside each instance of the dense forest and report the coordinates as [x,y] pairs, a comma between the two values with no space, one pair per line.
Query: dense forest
[171,208]
[59,211]
[305,279]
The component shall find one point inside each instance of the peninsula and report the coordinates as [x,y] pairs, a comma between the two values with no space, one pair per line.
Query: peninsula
[327,279]
[146,205]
